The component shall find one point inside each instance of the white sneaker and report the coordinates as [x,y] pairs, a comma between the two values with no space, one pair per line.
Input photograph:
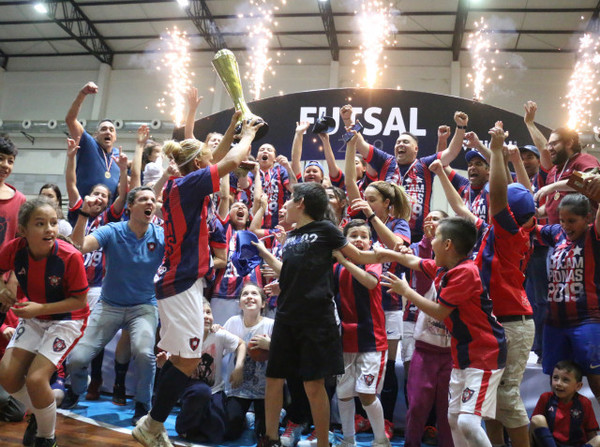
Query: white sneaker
[148,438]
[381,443]
[311,440]
[291,435]
[346,442]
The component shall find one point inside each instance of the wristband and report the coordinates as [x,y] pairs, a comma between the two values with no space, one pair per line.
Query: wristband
[82,213]
[370,218]
[461,127]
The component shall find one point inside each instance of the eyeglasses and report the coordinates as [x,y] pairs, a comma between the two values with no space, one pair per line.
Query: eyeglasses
[553,144]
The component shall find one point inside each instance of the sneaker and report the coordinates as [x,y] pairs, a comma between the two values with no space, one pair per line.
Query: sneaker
[389,429]
[361,424]
[93,392]
[30,431]
[311,441]
[141,410]
[118,397]
[430,437]
[381,443]
[291,435]
[45,442]
[346,443]
[70,400]
[150,439]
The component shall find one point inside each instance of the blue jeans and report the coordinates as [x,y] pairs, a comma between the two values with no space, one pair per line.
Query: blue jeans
[141,321]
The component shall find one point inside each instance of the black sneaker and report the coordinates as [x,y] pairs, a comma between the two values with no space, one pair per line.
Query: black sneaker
[141,410]
[70,400]
[30,431]
[45,442]
[265,441]
[118,397]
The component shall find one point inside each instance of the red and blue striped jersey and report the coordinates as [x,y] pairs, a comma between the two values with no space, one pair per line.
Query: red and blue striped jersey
[54,278]
[229,284]
[382,162]
[185,212]
[574,283]
[274,183]
[363,320]
[476,199]
[94,260]
[417,180]
[502,259]
[478,340]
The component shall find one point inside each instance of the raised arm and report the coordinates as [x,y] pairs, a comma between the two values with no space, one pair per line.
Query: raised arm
[85,244]
[193,101]
[285,163]
[332,167]
[443,134]
[258,215]
[361,145]
[119,203]
[350,169]
[70,172]
[297,147]
[136,164]
[448,155]
[538,138]
[225,202]
[240,151]
[75,127]
[452,195]
[225,144]
[473,142]
[498,183]
[514,155]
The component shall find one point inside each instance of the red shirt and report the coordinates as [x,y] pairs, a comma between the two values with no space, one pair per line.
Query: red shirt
[54,278]
[478,340]
[9,212]
[579,162]
[570,422]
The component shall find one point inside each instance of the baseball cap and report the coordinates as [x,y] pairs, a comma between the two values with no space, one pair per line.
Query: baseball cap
[314,163]
[469,155]
[530,148]
[520,202]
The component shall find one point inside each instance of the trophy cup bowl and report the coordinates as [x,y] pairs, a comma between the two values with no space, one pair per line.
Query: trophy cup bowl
[228,71]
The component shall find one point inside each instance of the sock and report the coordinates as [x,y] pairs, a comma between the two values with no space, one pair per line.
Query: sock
[543,437]
[172,385]
[46,420]
[470,426]
[346,408]
[120,373]
[23,396]
[389,393]
[375,415]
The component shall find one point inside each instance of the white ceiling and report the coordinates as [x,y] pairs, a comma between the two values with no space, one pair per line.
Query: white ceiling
[540,30]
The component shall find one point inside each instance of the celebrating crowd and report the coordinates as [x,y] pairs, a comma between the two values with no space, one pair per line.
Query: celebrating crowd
[243,284]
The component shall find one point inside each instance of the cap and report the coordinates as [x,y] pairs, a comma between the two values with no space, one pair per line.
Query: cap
[325,124]
[474,153]
[520,202]
[530,148]
[245,257]
[314,163]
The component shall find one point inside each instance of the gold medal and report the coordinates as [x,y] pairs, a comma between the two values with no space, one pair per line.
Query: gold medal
[107,174]
[556,195]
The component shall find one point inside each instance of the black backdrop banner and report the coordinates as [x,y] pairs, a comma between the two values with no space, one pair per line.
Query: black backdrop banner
[384,114]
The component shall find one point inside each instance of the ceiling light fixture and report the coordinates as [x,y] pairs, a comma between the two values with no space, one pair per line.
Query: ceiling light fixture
[41,7]
[183,3]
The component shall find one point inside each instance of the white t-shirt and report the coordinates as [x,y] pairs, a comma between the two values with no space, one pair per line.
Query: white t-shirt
[214,347]
[253,386]
[430,330]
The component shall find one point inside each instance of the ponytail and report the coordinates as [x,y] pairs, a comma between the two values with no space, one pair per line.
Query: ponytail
[397,196]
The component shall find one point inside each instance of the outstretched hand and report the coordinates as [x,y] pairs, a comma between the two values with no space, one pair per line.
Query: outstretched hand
[89,89]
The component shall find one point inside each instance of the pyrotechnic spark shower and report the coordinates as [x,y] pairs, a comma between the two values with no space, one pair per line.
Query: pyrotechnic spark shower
[376,30]
[583,84]
[260,35]
[176,60]
[481,46]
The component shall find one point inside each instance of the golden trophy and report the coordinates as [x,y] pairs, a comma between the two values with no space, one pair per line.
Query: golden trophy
[228,71]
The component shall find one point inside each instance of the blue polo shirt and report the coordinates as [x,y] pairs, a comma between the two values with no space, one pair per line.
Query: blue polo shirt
[131,263]
[92,164]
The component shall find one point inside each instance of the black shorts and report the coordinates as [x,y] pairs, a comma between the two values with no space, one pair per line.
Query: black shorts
[306,352]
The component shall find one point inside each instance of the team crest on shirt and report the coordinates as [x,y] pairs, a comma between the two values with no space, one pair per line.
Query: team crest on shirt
[22,271]
[194,342]
[467,394]
[575,413]
[151,246]
[54,280]
[369,378]
[58,345]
